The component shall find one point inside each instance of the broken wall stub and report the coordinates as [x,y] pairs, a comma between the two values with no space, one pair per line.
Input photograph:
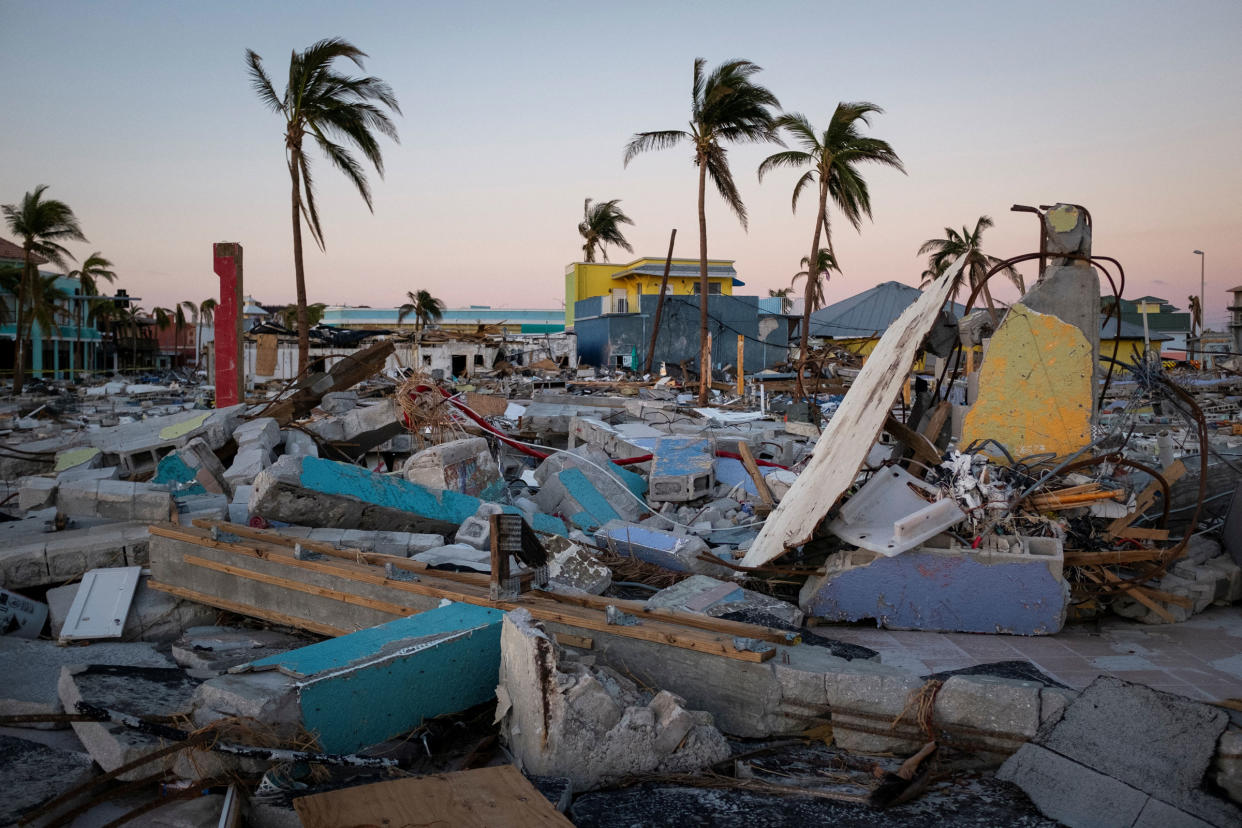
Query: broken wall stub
[1036,387]
[464,465]
[561,717]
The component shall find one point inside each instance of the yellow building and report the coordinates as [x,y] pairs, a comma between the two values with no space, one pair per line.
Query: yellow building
[624,283]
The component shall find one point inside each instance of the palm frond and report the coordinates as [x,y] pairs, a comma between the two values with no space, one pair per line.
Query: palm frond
[645,141]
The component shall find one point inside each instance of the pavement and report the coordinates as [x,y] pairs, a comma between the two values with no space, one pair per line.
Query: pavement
[1200,658]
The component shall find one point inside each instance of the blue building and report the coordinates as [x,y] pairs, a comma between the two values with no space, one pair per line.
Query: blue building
[468,320]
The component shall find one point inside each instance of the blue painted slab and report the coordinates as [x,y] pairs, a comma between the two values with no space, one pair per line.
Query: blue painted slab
[346,480]
[681,455]
[731,472]
[173,472]
[374,684]
[922,590]
[652,545]
[596,511]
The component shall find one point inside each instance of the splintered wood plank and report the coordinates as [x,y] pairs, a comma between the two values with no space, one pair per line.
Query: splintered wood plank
[479,798]
[853,429]
[1147,497]
[752,468]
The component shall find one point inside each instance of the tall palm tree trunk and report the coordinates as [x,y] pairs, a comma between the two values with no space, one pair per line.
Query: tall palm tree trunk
[19,364]
[812,285]
[299,271]
[705,356]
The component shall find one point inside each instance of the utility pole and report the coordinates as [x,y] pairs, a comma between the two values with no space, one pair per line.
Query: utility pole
[655,325]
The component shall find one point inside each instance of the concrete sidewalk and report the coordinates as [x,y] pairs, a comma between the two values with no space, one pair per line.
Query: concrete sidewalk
[1200,658]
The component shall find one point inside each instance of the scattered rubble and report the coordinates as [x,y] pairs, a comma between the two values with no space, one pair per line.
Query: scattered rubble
[370,567]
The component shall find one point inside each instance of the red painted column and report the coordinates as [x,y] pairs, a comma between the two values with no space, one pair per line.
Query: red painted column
[230,370]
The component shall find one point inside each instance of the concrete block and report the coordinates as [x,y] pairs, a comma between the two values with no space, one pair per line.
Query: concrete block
[991,704]
[710,596]
[683,468]
[78,497]
[247,464]
[465,466]
[873,690]
[573,568]
[572,494]
[36,493]
[206,506]
[269,697]
[34,773]
[192,469]
[559,716]
[339,402]
[1072,793]
[609,488]
[139,691]
[261,431]
[310,491]
[299,443]
[1018,591]
[476,530]
[32,670]
[363,428]
[85,473]
[1227,765]
[368,686]
[239,506]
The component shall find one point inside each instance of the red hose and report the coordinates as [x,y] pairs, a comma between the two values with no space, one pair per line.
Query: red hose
[540,455]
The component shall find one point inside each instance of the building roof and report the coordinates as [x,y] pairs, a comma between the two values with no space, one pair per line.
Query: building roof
[681,271]
[869,312]
[1129,330]
[8,250]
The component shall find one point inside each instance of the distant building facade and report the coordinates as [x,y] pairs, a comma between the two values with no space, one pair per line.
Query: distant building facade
[466,320]
[1162,318]
[622,285]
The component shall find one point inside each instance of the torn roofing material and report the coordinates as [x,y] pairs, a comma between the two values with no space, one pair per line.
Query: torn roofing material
[844,444]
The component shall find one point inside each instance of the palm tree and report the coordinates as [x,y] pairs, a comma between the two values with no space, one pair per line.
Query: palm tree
[47,303]
[42,224]
[336,110]
[783,295]
[425,307]
[832,157]
[601,226]
[824,265]
[289,315]
[95,268]
[941,253]
[206,316]
[726,106]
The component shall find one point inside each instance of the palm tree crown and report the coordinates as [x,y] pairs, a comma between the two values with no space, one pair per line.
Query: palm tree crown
[42,224]
[726,106]
[831,160]
[425,307]
[601,226]
[825,263]
[941,253]
[338,111]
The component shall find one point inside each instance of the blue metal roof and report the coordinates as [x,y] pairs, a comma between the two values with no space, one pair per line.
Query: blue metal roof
[868,313]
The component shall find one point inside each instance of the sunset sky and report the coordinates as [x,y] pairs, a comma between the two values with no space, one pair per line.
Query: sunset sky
[141,117]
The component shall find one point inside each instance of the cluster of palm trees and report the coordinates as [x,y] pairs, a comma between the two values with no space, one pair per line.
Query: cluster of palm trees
[42,224]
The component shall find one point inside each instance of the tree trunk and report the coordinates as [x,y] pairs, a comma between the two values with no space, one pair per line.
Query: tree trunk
[705,357]
[299,272]
[19,364]
[812,284]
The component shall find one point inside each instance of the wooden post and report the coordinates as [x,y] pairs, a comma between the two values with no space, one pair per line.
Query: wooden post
[741,354]
[500,561]
[970,360]
[705,363]
[655,324]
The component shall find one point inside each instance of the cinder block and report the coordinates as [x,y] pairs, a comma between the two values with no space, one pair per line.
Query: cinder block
[78,498]
[36,493]
[682,468]
[262,431]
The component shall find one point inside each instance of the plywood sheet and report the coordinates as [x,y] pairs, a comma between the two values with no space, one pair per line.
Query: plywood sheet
[1035,387]
[853,429]
[481,798]
[265,361]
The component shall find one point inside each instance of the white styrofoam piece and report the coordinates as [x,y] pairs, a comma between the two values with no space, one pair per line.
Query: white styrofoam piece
[102,603]
[888,516]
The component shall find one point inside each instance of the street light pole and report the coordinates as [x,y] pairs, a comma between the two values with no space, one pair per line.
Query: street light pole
[1202,309]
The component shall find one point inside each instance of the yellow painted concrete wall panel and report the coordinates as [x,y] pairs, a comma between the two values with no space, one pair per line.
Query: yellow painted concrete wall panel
[1035,387]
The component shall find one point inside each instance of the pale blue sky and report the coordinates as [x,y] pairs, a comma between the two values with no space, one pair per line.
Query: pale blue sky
[141,117]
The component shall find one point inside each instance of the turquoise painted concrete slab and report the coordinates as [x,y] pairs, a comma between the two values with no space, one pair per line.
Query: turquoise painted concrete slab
[374,684]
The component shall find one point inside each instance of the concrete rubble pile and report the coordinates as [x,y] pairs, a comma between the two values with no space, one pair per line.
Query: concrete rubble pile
[613,588]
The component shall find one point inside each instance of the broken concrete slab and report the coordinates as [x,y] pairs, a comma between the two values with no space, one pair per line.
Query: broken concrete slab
[464,465]
[269,697]
[115,499]
[311,491]
[363,428]
[248,463]
[1143,753]
[338,402]
[261,431]
[584,481]
[572,568]
[32,670]
[153,615]
[133,444]
[212,650]
[34,773]
[36,493]
[138,691]
[299,443]
[679,553]
[713,597]
[192,469]
[360,689]
[1016,591]
[560,717]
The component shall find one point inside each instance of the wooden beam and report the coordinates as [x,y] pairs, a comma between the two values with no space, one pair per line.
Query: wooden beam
[844,444]
[923,448]
[1147,497]
[343,375]
[752,468]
